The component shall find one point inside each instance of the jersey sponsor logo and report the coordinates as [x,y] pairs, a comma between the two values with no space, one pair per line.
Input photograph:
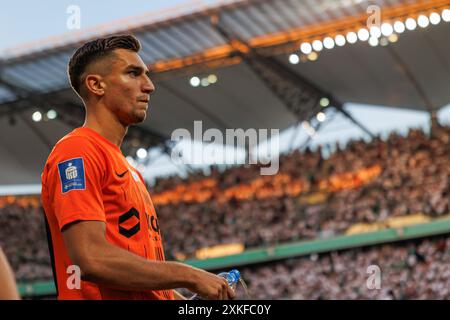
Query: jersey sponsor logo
[153,225]
[124,218]
[71,174]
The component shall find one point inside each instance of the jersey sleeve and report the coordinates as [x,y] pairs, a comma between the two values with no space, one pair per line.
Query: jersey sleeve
[73,181]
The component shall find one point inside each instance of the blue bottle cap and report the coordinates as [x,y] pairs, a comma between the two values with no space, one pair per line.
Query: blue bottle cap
[235,274]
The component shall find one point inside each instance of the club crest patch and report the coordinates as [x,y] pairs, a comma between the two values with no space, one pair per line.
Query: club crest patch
[71,173]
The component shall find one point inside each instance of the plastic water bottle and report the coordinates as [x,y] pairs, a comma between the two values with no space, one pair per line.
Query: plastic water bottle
[232,278]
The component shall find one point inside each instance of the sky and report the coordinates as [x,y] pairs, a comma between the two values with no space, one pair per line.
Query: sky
[23,21]
[28,21]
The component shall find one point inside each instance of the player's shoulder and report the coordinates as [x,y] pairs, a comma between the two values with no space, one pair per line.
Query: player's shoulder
[77,139]
[75,151]
[75,143]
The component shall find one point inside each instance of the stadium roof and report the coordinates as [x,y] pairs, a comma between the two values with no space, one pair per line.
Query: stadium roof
[411,73]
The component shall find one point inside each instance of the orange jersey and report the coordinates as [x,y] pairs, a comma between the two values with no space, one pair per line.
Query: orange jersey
[86,177]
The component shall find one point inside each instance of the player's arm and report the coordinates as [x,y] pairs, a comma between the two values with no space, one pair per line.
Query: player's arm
[8,289]
[104,263]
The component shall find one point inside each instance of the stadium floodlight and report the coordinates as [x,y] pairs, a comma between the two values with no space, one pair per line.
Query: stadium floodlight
[363,34]
[399,27]
[51,114]
[435,18]
[384,42]
[135,142]
[141,153]
[313,56]
[340,40]
[205,82]
[375,32]
[324,102]
[352,37]
[328,43]
[321,117]
[411,24]
[294,59]
[446,15]
[212,78]
[373,41]
[423,21]
[306,48]
[393,38]
[195,81]
[317,45]
[37,116]
[387,29]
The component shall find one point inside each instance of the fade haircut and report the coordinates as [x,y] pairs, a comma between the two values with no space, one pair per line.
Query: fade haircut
[95,50]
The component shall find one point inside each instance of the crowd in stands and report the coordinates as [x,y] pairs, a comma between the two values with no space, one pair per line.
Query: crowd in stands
[311,197]
[412,270]
[23,238]
[406,175]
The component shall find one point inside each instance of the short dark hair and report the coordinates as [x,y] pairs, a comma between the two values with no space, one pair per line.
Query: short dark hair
[94,50]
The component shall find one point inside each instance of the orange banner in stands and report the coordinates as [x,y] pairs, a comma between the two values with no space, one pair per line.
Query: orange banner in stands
[261,188]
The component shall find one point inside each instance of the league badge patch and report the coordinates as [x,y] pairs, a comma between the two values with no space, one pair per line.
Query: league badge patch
[71,173]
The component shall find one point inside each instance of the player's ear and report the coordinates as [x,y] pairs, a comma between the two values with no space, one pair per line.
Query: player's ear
[95,84]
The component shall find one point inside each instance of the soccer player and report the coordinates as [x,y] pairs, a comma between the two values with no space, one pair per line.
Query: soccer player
[100,218]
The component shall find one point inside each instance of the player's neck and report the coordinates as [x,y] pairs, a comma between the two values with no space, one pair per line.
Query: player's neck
[107,125]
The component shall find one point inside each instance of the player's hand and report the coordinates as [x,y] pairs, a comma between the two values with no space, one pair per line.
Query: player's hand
[211,286]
